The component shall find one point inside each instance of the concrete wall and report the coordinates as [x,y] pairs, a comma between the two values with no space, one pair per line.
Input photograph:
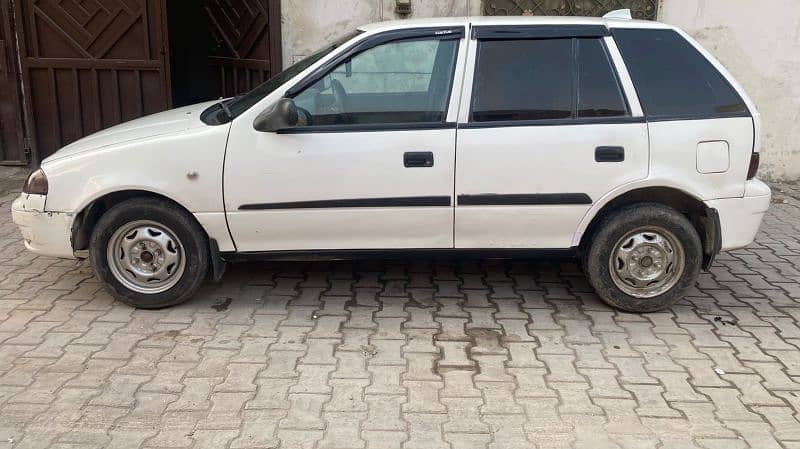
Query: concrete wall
[759,42]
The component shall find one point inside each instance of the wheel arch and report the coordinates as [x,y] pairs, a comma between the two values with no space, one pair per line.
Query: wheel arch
[703,218]
[90,213]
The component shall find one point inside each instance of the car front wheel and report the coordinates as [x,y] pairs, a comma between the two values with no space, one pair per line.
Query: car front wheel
[643,258]
[149,253]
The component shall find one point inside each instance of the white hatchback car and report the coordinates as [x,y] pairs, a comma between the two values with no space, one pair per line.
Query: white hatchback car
[620,141]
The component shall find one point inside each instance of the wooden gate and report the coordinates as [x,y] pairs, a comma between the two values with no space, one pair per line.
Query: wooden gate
[248,42]
[12,148]
[90,64]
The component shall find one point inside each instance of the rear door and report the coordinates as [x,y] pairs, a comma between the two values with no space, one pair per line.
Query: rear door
[549,127]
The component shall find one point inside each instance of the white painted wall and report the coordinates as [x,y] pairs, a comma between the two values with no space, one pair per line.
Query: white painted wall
[759,41]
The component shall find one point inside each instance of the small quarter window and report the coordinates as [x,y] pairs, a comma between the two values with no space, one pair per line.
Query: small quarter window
[599,92]
[673,79]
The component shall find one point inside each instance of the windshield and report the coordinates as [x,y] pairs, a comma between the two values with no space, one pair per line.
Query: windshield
[227,110]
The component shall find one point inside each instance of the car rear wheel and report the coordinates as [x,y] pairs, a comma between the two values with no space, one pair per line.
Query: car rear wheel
[643,258]
[149,253]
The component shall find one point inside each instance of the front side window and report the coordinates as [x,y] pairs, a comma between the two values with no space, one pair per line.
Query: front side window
[406,81]
[545,79]
[673,79]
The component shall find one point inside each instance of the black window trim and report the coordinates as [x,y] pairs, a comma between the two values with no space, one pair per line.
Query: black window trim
[518,32]
[553,122]
[574,119]
[406,34]
[712,116]
[368,127]
[681,117]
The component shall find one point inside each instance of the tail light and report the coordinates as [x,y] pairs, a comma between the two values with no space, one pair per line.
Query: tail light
[755,161]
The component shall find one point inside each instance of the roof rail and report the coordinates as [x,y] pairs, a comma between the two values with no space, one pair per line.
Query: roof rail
[619,14]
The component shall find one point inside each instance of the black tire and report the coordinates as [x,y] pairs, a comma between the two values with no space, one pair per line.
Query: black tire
[191,236]
[618,225]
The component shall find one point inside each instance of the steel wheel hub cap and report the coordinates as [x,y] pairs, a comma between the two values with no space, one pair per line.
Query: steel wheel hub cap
[647,262]
[146,257]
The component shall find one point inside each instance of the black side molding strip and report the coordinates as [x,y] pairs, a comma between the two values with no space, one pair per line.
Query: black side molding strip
[412,201]
[530,199]
[395,254]
[503,32]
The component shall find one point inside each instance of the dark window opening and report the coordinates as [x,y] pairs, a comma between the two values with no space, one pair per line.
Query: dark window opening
[191,45]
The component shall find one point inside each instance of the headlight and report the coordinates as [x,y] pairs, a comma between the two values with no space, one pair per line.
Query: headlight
[36,184]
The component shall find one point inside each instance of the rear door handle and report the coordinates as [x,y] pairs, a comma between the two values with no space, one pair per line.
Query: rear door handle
[609,154]
[416,159]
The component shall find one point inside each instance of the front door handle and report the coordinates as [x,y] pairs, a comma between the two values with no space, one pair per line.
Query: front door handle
[415,159]
[609,154]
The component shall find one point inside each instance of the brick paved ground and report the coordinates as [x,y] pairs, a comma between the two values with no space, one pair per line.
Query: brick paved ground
[419,354]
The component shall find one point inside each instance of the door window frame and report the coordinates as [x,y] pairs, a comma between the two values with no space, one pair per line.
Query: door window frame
[407,34]
[533,32]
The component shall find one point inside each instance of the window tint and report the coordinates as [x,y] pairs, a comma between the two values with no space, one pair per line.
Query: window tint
[397,82]
[672,78]
[523,80]
[599,92]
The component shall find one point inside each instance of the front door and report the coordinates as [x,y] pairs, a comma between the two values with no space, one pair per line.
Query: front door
[543,137]
[371,164]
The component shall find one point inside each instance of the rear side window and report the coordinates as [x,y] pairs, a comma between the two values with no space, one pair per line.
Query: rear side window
[673,79]
[545,79]
[523,80]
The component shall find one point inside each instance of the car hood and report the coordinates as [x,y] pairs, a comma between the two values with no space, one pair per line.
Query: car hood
[167,122]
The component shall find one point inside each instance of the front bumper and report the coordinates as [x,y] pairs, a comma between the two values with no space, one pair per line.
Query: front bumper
[45,233]
[740,218]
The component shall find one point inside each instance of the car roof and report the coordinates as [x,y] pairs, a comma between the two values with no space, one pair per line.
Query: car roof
[510,21]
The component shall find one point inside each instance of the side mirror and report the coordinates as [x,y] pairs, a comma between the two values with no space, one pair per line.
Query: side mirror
[281,116]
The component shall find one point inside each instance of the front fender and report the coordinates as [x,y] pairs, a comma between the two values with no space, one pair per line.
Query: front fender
[160,165]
